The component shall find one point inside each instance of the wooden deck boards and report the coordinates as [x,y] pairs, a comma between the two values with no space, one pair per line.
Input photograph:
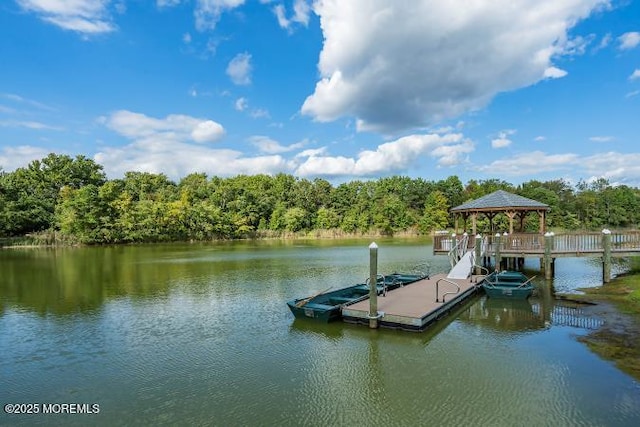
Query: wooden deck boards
[414,306]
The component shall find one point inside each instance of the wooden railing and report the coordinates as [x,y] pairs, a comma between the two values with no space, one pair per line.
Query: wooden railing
[533,243]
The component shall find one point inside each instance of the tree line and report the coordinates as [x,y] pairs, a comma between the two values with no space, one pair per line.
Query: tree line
[71,199]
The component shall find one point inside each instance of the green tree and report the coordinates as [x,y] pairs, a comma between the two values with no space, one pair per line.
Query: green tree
[436,213]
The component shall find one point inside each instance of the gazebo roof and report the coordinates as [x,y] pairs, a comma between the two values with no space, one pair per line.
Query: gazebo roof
[500,201]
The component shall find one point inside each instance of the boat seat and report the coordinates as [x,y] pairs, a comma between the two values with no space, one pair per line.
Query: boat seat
[317,306]
[339,300]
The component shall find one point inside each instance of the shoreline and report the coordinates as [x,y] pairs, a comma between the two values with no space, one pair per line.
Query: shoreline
[618,304]
[283,236]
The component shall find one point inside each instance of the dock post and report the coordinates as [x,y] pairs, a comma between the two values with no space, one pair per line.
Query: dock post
[373,290]
[478,253]
[496,242]
[548,261]
[606,256]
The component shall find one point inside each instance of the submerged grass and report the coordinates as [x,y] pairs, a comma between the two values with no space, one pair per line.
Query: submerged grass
[619,303]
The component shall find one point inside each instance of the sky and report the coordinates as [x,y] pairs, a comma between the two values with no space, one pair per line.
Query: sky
[514,90]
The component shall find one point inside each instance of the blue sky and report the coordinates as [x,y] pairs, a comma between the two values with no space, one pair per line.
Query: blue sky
[342,90]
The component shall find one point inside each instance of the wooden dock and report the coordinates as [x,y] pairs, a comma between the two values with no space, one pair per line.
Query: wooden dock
[417,305]
[510,248]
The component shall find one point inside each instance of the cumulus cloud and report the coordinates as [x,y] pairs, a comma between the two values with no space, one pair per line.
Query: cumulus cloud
[82,16]
[176,127]
[629,40]
[173,146]
[241,104]
[540,138]
[622,168]
[554,73]
[12,158]
[395,67]
[239,69]
[301,12]
[502,140]
[531,163]
[270,146]
[207,12]
[393,156]
[177,159]
[635,75]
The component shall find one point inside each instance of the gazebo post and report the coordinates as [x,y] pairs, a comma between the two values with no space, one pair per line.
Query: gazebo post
[474,223]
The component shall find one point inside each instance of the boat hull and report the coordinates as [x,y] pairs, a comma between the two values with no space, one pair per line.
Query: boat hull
[507,284]
[508,291]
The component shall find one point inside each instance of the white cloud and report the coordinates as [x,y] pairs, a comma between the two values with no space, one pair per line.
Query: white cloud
[301,13]
[208,12]
[241,104]
[167,3]
[29,102]
[440,60]
[635,75]
[312,152]
[503,140]
[540,138]
[260,113]
[617,167]
[270,146]
[239,69]
[604,42]
[554,73]
[601,138]
[176,127]
[177,159]
[632,94]
[12,158]
[629,40]
[83,16]
[622,168]
[163,146]
[531,163]
[28,124]
[394,156]
[186,38]
[207,131]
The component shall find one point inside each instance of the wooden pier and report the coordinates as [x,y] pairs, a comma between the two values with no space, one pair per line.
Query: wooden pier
[417,305]
[510,249]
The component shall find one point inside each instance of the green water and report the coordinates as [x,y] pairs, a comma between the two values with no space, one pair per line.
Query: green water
[201,335]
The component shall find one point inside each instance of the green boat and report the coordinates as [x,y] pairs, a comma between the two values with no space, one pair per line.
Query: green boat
[507,284]
[327,305]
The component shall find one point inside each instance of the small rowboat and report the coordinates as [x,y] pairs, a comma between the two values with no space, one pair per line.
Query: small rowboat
[508,284]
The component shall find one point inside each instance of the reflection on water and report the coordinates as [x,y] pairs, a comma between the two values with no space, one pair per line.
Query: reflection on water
[530,315]
[200,334]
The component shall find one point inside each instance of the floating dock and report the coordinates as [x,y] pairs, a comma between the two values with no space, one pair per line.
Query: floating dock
[415,306]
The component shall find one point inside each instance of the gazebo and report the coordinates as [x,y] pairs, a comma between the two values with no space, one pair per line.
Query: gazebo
[499,202]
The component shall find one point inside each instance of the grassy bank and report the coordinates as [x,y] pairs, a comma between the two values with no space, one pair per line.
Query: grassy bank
[53,238]
[618,302]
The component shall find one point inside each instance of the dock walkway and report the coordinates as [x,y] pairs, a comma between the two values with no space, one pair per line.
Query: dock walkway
[416,306]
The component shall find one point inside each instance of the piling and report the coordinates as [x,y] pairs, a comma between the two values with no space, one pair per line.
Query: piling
[606,256]
[373,280]
[497,249]
[548,260]
[478,253]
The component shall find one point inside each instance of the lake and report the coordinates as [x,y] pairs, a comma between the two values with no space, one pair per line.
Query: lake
[200,334]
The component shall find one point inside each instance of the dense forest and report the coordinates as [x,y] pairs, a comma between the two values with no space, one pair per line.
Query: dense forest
[70,200]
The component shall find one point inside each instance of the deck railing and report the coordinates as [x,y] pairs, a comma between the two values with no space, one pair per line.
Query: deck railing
[579,243]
